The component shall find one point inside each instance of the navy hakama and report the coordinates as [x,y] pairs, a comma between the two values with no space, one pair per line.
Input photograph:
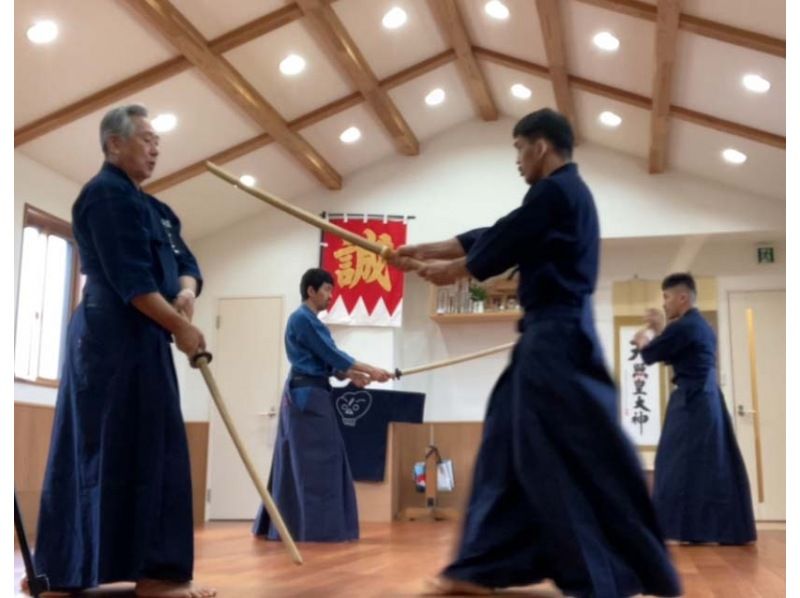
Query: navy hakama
[558,492]
[116,503]
[310,479]
[701,491]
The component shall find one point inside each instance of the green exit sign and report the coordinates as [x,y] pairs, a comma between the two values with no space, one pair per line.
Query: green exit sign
[766,255]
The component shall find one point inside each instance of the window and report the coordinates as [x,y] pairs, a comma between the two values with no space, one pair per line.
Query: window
[49,288]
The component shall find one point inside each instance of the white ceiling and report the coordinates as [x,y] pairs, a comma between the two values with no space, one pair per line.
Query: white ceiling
[319,84]
[708,79]
[101,42]
[627,68]
[396,49]
[519,36]
[90,53]
[766,16]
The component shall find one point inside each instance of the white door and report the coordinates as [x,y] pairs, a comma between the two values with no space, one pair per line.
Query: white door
[768,426]
[247,367]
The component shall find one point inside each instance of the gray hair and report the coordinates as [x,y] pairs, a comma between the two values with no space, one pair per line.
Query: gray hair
[119,121]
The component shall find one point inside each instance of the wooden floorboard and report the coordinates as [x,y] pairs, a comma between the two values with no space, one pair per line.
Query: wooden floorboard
[391,560]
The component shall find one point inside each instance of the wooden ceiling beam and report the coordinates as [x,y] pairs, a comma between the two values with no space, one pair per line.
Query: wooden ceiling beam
[176,29]
[302,122]
[553,36]
[734,35]
[699,26]
[451,23]
[331,34]
[154,75]
[639,101]
[665,53]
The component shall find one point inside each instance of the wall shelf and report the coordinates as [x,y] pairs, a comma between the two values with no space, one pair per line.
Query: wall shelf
[500,305]
[492,316]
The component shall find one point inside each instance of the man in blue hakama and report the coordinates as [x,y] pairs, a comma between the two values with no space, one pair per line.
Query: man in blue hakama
[116,503]
[701,492]
[310,480]
[558,491]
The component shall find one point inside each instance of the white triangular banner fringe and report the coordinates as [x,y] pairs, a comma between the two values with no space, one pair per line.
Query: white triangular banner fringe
[339,315]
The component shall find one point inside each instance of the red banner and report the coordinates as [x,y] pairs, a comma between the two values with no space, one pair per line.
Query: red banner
[366,290]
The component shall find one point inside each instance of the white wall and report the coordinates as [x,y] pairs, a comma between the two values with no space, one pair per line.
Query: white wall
[42,188]
[462,179]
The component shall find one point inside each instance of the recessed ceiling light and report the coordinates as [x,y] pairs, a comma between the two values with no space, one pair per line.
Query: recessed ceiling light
[734,156]
[396,17]
[164,122]
[610,119]
[292,65]
[435,97]
[496,9]
[43,32]
[247,180]
[756,83]
[606,41]
[518,90]
[350,135]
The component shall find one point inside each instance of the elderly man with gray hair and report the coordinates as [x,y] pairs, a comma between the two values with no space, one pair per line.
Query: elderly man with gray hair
[117,500]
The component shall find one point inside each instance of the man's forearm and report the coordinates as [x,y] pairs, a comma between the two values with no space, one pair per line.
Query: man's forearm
[155,307]
[442,250]
[188,282]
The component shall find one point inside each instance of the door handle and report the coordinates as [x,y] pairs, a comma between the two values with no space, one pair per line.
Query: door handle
[271,413]
[741,411]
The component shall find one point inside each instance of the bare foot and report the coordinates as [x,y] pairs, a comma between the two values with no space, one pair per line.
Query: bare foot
[158,588]
[443,586]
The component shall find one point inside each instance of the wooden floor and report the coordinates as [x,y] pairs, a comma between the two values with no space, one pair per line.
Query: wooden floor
[391,560]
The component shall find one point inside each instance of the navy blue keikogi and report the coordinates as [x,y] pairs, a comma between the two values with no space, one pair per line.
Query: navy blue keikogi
[117,502]
[558,491]
[701,491]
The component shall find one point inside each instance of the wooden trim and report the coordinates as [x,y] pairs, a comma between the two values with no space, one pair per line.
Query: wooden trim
[75,289]
[197,168]
[176,28]
[666,49]
[313,117]
[33,425]
[255,28]
[613,93]
[45,382]
[551,22]
[197,433]
[320,114]
[726,126]
[104,97]
[632,8]
[330,33]
[621,95]
[53,225]
[33,216]
[511,315]
[419,69]
[451,23]
[152,76]
[705,27]
[733,35]
[511,62]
